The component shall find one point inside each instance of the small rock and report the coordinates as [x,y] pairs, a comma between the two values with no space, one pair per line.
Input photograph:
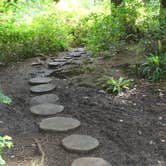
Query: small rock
[162,140]
[160,118]
[139,132]
[102,91]
[37,63]
[151,142]
[12,156]
[121,120]
[2,64]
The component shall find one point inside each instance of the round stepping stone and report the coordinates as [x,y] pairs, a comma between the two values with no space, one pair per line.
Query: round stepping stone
[42,88]
[40,80]
[80,143]
[59,124]
[90,161]
[47,109]
[47,98]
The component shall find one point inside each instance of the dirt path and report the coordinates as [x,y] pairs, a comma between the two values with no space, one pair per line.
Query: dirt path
[130,128]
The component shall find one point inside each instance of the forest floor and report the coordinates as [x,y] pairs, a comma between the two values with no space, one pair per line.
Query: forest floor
[131,128]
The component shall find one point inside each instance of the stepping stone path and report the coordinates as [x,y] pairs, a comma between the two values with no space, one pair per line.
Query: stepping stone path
[40,80]
[46,104]
[42,88]
[59,124]
[80,143]
[90,161]
[47,98]
[47,109]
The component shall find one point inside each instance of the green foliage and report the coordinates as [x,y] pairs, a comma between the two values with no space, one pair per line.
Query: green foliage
[154,68]
[109,27]
[4,99]
[32,29]
[117,85]
[5,142]
[100,31]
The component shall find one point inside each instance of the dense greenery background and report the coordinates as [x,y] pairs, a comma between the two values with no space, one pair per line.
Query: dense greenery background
[31,28]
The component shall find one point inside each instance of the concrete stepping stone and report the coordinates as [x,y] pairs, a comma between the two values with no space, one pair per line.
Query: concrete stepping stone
[80,143]
[47,109]
[40,80]
[59,124]
[90,161]
[47,98]
[42,88]
[55,64]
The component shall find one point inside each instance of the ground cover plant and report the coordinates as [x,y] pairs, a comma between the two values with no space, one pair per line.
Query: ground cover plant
[5,141]
[116,86]
[154,68]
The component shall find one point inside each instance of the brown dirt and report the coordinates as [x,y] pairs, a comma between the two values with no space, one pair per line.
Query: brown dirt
[131,128]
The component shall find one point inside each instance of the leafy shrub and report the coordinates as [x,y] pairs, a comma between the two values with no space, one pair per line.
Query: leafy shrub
[109,27]
[32,29]
[154,68]
[117,85]
[100,31]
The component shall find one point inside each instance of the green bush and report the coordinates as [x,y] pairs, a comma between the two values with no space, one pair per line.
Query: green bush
[154,68]
[109,27]
[32,29]
[100,31]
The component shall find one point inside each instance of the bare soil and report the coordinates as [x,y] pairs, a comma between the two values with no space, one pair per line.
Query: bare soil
[131,128]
